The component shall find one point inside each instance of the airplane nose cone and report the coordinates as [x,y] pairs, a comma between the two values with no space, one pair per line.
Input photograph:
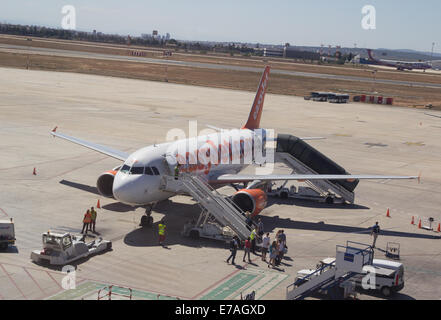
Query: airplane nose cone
[124,189]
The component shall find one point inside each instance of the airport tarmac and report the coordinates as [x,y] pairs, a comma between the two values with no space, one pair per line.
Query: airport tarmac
[128,114]
[89,55]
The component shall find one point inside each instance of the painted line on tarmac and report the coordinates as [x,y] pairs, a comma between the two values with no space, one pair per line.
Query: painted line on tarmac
[4,212]
[134,288]
[215,284]
[13,282]
[91,289]
[50,276]
[81,290]
[267,281]
[229,287]
[250,279]
[33,279]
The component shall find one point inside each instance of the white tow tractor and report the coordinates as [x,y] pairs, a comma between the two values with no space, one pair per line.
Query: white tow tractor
[207,229]
[302,193]
[7,234]
[62,249]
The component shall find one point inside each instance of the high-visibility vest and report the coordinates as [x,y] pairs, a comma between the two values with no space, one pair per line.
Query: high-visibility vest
[176,171]
[161,229]
[93,215]
[253,234]
[87,218]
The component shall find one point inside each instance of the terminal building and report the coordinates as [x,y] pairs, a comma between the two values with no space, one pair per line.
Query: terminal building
[289,52]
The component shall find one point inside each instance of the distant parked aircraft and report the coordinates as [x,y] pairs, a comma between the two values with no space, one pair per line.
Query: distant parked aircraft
[400,65]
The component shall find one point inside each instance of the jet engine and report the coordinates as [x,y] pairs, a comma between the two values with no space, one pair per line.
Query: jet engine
[251,200]
[104,183]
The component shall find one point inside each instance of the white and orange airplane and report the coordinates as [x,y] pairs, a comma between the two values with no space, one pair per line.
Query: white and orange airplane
[215,158]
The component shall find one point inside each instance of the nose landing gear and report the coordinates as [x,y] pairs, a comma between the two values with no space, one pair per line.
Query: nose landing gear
[147,219]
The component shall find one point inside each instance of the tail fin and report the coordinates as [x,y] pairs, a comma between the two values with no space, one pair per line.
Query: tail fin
[370,55]
[256,111]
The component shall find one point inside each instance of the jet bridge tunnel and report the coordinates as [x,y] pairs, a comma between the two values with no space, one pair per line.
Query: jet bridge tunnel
[313,159]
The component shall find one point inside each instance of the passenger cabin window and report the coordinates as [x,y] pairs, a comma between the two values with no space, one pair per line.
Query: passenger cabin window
[148,171]
[155,171]
[125,169]
[137,170]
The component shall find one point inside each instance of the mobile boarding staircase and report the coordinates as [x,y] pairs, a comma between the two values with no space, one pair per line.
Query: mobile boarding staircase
[290,149]
[349,262]
[213,204]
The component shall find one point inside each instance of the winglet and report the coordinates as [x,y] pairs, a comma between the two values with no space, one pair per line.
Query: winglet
[256,110]
[55,129]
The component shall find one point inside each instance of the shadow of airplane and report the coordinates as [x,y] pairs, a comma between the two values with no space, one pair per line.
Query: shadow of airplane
[313,204]
[180,213]
[80,186]
[272,223]
[120,207]
[148,237]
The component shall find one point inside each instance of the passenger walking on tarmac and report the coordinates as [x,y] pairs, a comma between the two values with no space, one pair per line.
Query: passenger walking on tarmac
[260,228]
[86,221]
[281,252]
[93,220]
[247,249]
[277,235]
[282,236]
[273,254]
[375,232]
[253,237]
[265,246]
[161,232]
[233,248]
[249,220]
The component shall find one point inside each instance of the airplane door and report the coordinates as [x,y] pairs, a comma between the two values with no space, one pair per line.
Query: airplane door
[170,163]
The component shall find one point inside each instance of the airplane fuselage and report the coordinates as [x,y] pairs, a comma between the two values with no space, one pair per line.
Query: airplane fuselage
[138,180]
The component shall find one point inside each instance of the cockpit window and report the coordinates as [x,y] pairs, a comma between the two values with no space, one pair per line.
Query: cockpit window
[137,170]
[125,169]
[155,170]
[148,171]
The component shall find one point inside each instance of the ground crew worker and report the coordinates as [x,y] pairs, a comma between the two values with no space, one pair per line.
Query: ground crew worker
[86,221]
[161,232]
[177,171]
[375,232]
[253,236]
[93,220]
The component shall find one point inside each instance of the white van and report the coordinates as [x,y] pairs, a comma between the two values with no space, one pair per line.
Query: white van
[7,234]
[389,276]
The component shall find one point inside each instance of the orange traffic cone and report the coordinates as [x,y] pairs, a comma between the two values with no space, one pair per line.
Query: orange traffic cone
[419,224]
[35,172]
[413,221]
[388,213]
[98,204]
[439,227]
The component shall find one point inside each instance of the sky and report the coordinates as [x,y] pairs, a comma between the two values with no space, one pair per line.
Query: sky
[405,24]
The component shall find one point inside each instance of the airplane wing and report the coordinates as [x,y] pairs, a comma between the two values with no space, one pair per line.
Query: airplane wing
[230,178]
[120,155]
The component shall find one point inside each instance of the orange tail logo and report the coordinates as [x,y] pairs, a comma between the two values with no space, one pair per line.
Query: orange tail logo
[256,111]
